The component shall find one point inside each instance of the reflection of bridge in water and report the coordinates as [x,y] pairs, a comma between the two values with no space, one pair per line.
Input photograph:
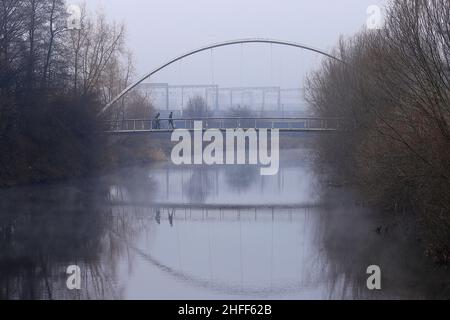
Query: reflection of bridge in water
[218,206]
[219,212]
[178,254]
[242,247]
[230,212]
[223,286]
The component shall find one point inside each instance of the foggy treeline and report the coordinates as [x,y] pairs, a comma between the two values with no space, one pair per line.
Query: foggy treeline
[395,86]
[197,107]
[54,78]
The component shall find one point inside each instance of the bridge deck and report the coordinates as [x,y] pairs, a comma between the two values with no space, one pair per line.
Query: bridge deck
[124,132]
[133,126]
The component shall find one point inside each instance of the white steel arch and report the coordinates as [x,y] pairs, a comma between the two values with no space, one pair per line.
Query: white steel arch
[213,46]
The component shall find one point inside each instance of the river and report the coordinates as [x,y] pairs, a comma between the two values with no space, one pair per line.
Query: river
[197,232]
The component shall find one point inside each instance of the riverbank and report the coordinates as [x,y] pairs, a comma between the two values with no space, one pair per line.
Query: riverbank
[394,91]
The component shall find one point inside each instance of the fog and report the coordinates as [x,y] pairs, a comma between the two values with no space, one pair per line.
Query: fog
[160,30]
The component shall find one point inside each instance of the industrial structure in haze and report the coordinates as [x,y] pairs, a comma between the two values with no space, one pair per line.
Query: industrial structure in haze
[265,101]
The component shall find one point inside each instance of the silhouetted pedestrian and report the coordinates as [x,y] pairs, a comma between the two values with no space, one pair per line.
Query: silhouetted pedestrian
[171,215]
[158,216]
[158,121]
[171,125]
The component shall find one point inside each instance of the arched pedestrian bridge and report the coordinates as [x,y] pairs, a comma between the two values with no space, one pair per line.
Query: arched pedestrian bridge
[133,126]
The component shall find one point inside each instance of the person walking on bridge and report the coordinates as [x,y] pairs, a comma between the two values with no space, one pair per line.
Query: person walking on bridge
[171,125]
[158,121]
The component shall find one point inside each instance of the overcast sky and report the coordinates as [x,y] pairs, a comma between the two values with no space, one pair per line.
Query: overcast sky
[158,30]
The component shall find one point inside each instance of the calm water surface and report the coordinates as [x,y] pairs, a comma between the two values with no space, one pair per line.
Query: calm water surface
[165,232]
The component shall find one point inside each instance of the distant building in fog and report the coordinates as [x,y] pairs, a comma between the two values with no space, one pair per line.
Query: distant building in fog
[270,101]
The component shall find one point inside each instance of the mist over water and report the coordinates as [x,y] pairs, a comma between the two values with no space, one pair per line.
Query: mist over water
[197,232]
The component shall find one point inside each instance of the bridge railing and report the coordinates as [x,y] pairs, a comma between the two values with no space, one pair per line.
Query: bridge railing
[223,123]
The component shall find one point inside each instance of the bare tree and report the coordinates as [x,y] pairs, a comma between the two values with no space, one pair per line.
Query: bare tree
[52,81]
[197,107]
